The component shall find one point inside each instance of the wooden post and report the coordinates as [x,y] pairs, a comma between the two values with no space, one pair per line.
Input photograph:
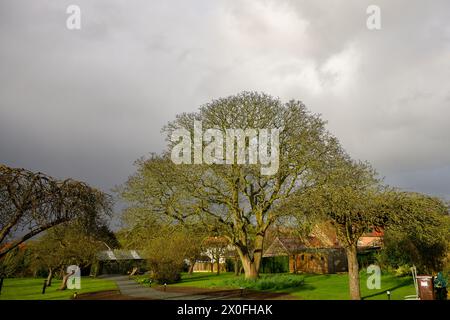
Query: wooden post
[44,286]
[1,284]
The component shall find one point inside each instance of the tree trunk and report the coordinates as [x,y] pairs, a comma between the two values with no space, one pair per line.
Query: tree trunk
[250,269]
[64,280]
[251,265]
[353,273]
[218,266]
[236,266]
[191,267]
[49,277]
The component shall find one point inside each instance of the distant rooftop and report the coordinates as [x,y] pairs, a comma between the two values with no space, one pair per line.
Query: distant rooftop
[119,254]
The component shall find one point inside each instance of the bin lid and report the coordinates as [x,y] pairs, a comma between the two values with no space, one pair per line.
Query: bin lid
[424,277]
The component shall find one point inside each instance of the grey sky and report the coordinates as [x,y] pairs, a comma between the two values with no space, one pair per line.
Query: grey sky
[87,103]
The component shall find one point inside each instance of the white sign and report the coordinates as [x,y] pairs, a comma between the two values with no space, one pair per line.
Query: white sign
[74,280]
[423,283]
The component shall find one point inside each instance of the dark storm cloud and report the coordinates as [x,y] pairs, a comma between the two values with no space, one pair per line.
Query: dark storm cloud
[87,103]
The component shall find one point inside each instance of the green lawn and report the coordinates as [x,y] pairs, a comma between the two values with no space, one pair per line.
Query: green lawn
[315,287]
[31,288]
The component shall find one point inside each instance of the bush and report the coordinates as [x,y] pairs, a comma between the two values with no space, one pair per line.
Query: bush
[146,281]
[403,270]
[275,264]
[268,282]
[166,260]
[402,248]
[165,271]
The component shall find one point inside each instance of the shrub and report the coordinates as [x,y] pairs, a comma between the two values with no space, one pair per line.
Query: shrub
[166,260]
[268,282]
[165,271]
[403,270]
[146,281]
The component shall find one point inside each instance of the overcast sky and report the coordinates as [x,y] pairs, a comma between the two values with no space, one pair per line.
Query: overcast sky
[87,103]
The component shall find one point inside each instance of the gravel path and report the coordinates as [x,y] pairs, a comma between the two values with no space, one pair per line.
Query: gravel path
[131,288]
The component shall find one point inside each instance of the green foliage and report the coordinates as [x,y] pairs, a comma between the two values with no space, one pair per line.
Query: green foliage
[268,282]
[70,243]
[166,257]
[403,270]
[12,262]
[419,234]
[367,258]
[143,280]
[275,264]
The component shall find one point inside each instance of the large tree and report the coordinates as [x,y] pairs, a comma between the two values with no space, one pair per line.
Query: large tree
[31,203]
[238,200]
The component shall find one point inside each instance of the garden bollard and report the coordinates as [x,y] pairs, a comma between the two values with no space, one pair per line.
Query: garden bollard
[44,286]
[165,286]
[388,294]
[242,291]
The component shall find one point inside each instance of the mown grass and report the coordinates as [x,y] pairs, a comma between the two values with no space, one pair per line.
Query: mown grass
[304,286]
[267,282]
[31,288]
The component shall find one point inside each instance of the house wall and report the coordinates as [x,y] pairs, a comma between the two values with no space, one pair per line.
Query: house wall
[322,262]
[208,267]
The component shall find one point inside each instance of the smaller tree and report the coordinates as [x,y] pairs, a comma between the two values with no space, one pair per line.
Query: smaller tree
[65,245]
[166,257]
[351,200]
[11,263]
[193,237]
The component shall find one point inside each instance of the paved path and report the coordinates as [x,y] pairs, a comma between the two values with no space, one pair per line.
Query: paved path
[133,289]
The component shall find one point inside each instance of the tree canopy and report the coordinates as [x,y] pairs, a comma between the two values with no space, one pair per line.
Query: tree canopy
[235,199]
[31,203]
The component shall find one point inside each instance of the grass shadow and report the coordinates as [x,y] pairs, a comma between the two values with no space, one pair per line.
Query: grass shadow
[404,283]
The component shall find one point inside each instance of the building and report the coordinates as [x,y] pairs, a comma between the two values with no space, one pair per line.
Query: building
[321,252]
[215,249]
[372,240]
[309,256]
[119,261]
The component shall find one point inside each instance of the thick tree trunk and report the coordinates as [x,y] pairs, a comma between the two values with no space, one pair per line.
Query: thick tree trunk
[250,269]
[49,277]
[353,273]
[250,264]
